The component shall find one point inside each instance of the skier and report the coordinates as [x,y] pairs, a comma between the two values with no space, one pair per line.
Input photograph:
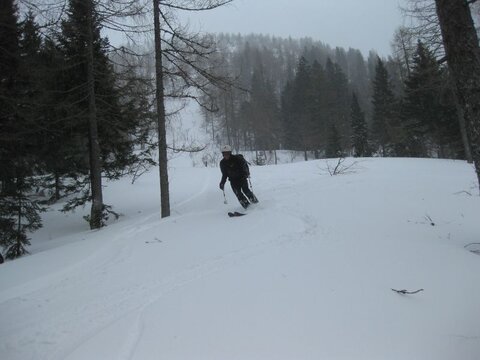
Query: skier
[235,168]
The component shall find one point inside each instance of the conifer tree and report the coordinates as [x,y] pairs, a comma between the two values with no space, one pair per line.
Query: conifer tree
[9,50]
[359,129]
[9,62]
[338,102]
[428,114]
[84,51]
[318,108]
[358,78]
[99,117]
[19,214]
[296,112]
[334,147]
[385,129]
[62,147]
[30,86]
[264,112]
[286,112]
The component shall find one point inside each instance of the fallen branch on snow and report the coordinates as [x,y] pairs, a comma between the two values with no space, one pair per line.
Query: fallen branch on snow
[475,251]
[461,192]
[405,292]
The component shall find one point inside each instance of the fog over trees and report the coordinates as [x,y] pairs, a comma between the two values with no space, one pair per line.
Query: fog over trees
[298,95]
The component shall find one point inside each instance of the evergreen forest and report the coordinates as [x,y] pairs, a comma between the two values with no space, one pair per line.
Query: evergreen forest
[304,95]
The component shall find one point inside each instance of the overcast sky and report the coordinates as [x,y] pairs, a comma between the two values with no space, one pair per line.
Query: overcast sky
[360,24]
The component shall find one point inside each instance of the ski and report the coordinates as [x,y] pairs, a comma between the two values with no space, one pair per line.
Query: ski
[235,214]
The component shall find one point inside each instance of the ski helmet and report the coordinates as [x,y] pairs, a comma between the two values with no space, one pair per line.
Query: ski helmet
[226,148]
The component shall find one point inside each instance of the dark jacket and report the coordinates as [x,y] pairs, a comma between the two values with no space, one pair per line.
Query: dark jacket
[235,168]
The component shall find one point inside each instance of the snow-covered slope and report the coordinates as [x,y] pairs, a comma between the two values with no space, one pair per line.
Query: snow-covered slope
[307,274]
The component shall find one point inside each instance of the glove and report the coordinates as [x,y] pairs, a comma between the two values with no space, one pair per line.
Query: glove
[222,185]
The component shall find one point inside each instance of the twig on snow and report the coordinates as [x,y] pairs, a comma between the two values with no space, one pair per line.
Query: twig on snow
[463,192]
[406,292]
[429,219]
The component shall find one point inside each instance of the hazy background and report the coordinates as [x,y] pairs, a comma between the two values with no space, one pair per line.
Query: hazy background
[360,24]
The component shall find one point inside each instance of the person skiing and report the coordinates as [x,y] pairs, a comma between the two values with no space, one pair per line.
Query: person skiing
[235,168]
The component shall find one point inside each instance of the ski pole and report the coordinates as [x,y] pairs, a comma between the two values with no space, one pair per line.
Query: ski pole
[224,197]
[250,183]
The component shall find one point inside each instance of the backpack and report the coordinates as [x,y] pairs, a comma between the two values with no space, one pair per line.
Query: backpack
[244,164]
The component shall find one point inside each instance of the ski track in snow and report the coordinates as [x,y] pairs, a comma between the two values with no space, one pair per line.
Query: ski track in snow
[149,294]
[203,270]
[203,190]
[76,325]
[133,296]
[105,304]
[221,263]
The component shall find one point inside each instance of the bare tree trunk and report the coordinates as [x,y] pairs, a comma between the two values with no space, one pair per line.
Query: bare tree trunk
[213,126]
[227,120]
[463,58]
[463,129]
[161,117]
[95,158]
[57,186]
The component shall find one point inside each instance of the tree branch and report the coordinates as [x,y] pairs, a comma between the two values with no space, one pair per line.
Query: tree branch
[189,150]
[406,292]
[196,5]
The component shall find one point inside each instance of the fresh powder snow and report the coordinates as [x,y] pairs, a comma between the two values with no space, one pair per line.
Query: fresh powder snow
[307,274]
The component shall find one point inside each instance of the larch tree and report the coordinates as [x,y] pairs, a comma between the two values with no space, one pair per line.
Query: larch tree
[181,58]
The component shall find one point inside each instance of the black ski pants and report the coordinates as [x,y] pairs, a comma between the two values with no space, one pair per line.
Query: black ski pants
[240,188]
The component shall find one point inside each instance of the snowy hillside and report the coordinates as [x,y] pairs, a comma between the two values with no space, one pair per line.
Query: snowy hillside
[307,274]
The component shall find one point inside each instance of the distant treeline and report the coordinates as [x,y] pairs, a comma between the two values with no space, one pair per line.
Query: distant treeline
[304,95]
